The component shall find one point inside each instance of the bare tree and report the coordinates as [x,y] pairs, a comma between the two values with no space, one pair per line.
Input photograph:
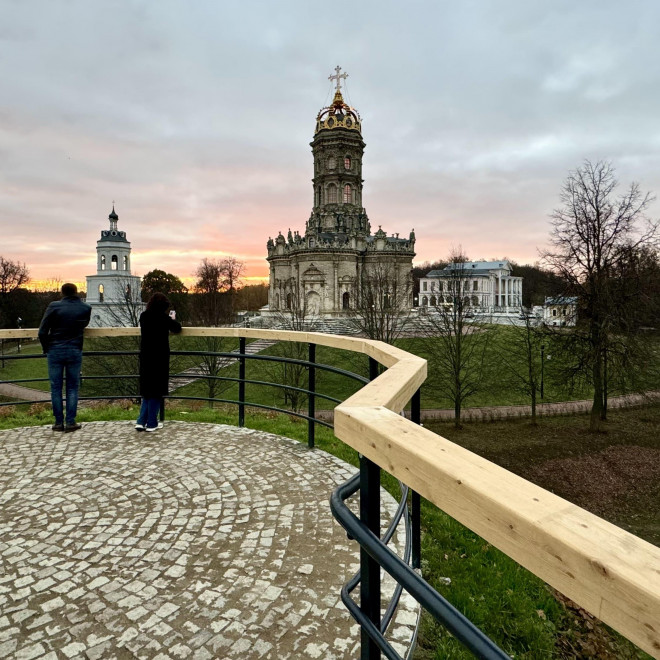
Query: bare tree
[13,275]
[384,302]
[232,271]
[215,289]
[297,317]
[523,358]
[455,340]
[592,234]
[212,365]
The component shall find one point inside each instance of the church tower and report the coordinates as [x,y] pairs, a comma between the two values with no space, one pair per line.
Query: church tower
[114,293]
[338,148]
[325,272]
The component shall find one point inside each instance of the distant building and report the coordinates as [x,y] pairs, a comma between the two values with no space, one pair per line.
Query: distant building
[324,270]
[560,310]
[487,286]
[114,293]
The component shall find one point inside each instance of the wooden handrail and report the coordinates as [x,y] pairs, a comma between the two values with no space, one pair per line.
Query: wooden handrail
[604,569]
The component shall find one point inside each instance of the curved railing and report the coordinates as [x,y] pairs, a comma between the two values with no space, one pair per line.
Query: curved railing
[604,569]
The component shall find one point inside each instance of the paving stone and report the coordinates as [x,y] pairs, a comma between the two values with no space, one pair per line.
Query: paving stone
[199,541]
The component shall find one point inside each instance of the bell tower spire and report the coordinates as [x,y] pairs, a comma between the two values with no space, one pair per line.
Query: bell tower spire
[337,148]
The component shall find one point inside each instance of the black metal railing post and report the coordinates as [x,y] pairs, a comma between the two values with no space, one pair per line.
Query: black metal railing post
[161,412]
[241,382]
[373,368]
[369,567]
[311,399]
[415,417]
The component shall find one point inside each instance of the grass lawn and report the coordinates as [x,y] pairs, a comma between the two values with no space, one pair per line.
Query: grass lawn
[27,368]
[520,612]
[498,387]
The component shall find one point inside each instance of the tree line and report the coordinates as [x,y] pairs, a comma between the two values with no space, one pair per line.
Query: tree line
[218,293]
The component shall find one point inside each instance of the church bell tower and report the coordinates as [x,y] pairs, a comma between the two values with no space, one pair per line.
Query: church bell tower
[338,148]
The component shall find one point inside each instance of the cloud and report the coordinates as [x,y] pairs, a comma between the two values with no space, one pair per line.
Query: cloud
[196,119]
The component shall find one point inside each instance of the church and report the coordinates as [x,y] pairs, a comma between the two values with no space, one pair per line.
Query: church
[114,293]
[324,271]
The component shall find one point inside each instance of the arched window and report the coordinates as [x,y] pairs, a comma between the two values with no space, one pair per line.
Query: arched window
[289,301]
[475,301]
[433,301]
[277,301]
[346,300]
[100,293]
[332,193]
[425,301]
[125,262]
[113,262]
[332,163]
[348,195]
[102,262]
[128,290]
[347,163]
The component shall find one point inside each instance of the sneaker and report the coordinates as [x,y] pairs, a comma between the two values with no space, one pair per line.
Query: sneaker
[160,425]
[70,428]
[139,427]
[57,427]
[150,430]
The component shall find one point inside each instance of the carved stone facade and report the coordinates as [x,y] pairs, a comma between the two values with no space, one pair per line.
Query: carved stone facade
[324,270]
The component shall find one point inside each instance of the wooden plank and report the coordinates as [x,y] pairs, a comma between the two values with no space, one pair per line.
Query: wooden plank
[606,570]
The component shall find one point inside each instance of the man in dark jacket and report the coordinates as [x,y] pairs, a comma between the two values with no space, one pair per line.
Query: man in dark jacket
[61,337]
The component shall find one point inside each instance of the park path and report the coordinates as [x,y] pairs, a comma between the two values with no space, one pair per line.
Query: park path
[198,541]
[194,373]
[489,413]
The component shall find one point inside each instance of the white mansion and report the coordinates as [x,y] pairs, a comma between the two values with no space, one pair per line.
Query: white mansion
[488,286]
[113,292]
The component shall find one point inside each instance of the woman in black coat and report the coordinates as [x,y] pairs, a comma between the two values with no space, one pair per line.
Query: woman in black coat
[155,325]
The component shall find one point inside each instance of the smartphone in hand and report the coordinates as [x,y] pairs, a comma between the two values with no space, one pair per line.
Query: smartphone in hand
[172,314]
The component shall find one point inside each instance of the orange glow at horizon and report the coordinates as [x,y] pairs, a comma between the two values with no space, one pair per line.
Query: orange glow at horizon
[43,286]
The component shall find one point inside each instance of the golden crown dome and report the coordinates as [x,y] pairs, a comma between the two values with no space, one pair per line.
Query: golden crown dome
[338,115]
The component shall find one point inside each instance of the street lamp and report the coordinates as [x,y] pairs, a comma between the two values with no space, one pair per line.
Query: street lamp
[19,323]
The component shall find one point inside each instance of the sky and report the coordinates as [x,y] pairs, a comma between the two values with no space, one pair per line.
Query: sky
[195,117]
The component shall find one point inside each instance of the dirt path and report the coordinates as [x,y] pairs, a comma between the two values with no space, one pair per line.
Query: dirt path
[487,413]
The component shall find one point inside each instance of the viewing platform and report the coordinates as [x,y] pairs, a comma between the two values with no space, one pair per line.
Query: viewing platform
[196,541]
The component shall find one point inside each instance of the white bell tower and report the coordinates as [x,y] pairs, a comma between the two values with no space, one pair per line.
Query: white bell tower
[113,292]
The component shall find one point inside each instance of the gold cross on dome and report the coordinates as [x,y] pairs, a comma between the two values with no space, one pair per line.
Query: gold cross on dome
[338,76]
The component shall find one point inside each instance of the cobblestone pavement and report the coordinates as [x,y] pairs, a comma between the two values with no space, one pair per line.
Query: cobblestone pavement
[198,541]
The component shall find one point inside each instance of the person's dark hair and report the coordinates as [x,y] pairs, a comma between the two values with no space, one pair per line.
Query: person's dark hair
[158,303]
[69,289]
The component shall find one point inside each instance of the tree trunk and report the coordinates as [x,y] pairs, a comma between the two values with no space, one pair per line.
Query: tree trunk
[603,412]
[597,406]
[533,406]
[457,413]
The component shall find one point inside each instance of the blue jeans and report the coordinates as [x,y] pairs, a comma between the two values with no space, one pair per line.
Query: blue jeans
[64,360]
[149,411]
